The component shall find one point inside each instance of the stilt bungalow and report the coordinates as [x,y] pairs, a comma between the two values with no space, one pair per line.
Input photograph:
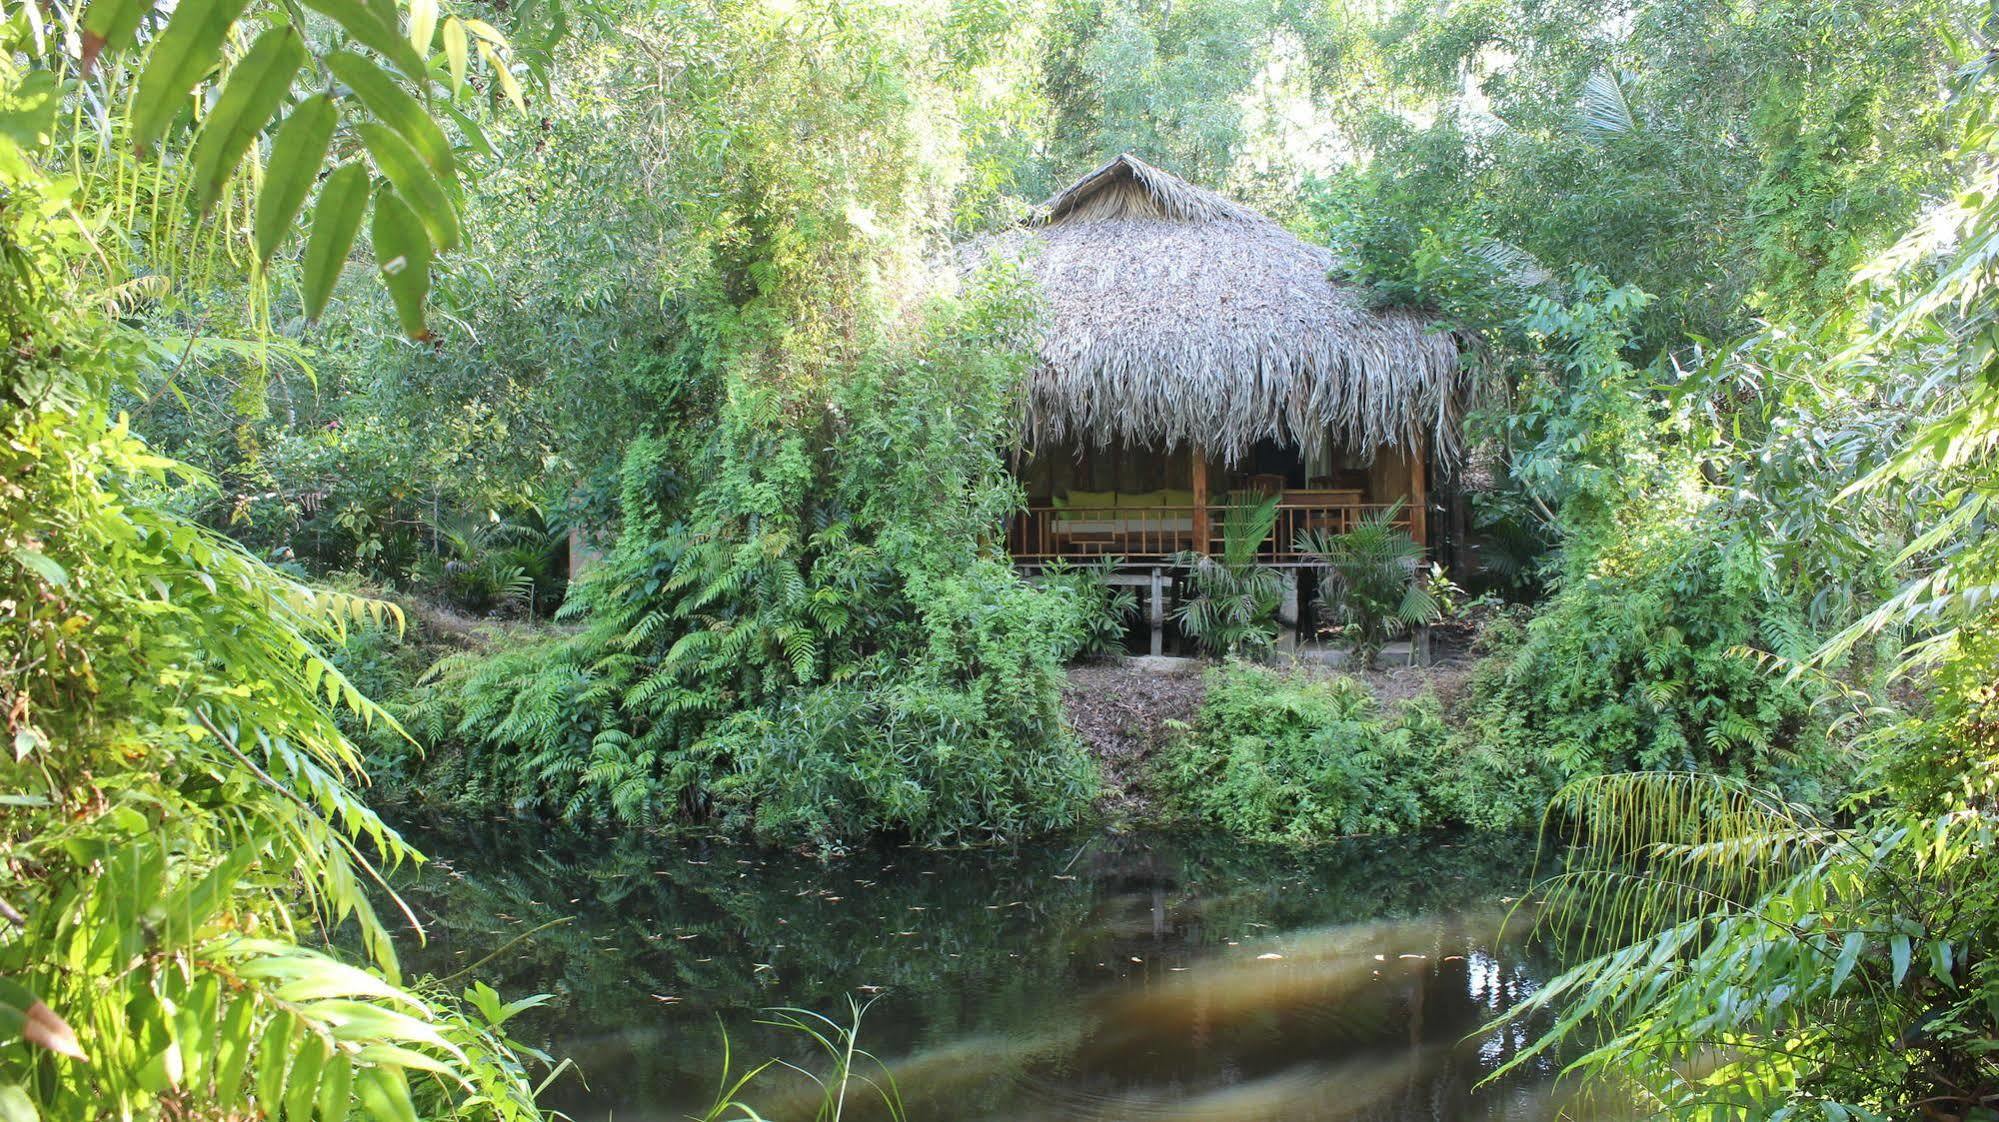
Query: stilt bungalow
[1195,353]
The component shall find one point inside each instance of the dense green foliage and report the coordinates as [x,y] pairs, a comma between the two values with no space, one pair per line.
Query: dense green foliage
[827,647]
[1735,437]
[1832,967]
[1298,755]
[181,833]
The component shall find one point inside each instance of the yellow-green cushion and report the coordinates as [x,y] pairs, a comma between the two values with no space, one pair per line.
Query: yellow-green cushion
[1176,498]
[1139,500]
[1092,500]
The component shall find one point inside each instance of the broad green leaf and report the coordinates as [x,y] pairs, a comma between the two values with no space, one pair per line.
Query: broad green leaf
[402,254]
[456,52]
[232,1051]
[394,107]
[414,182]
[186,50]
[40,564]
[423,24]
[302,1085]
[384,1095]
[342,203]
[1940,963]
[164,1071]
[336,1089]
[31,120]
[372,29]
[296,156]
[15,1106]
[257,85]
[1898,951]
[109,25]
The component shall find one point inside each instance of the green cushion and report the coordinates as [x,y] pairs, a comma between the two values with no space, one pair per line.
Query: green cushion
[1140,500]
[1176,498]
[1092,500]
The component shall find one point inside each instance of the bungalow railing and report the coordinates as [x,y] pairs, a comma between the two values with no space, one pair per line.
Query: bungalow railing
[1040,534]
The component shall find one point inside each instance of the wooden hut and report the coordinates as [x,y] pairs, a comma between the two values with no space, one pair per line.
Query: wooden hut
[1194,353]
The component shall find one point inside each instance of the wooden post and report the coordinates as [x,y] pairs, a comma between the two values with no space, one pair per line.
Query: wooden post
[1200,465]
[1419,495]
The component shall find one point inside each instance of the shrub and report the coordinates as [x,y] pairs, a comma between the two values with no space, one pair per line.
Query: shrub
[1103,610]
[1370,582]
[1233,609]
[1291,755]
[1648,663]
[823,643]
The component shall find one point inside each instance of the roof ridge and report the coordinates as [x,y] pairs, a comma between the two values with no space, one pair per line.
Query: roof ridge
[1177,199]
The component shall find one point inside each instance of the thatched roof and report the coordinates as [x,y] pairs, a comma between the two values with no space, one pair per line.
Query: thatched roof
[1172,316]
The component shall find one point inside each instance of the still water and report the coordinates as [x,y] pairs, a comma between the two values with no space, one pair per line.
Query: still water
[1104,978]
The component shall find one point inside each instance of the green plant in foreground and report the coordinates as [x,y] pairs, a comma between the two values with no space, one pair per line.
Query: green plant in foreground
[179,822]
[1233,607]
[1370,581]
[1104,610]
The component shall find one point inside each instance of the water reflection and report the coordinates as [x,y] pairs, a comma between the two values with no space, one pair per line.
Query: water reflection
[1113,978]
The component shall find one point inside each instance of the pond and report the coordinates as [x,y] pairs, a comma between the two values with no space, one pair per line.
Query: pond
[1103,978]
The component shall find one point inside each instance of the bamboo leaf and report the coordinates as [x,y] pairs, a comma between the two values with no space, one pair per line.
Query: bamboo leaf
[257,85]
[374,29]
[110,25]
[191,44]
[402,254]
[455,52]
[302,1087]
[423,24]
[1849,954]
[414,182]
[15,1106]
[233,1048]
[342,203]
[336,1089]
[296,155]
[394,107]
[508,84]
[384,1095]
[272,1052]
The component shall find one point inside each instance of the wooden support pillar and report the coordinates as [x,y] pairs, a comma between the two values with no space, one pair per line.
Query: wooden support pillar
[1200,473]
[1419,494]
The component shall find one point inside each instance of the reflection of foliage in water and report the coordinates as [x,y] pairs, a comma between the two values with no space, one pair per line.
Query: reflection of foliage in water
[660,945]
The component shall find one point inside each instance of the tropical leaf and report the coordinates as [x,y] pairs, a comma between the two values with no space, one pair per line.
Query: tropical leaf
[343,202]
[296,156]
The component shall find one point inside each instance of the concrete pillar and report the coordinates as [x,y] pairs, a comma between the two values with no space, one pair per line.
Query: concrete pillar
[1287,612]
[1156,612]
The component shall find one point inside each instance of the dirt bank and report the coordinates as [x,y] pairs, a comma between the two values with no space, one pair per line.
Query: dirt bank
[1124,711]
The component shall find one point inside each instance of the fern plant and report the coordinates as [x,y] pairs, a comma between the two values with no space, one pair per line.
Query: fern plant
[1233,607]
[1371,581]
[1104,611]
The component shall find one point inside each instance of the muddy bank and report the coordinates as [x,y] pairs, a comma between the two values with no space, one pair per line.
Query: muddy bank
[1121,710]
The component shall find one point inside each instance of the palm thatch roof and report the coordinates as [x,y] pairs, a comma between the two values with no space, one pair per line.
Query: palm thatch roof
[1171,315]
